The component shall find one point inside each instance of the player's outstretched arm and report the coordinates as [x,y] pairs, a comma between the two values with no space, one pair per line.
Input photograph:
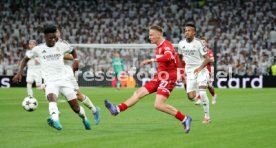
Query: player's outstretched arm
[17,78]
[146,62]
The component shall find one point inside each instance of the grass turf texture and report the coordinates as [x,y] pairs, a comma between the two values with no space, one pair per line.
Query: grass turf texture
[241,118]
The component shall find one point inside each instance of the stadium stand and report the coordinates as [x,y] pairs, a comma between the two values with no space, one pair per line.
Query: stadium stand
[244,31]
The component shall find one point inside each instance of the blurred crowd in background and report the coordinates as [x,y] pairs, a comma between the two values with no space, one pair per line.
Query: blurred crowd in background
[242,32]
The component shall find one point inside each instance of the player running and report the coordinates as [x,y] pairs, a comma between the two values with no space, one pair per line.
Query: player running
[162,83]
[211,73]
[69,71]
[196,58]
[53,71]
[33,71]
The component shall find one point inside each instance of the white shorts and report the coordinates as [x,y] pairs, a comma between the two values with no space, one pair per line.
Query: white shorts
[74,82]
[194,81]
[66,88]
[34,75]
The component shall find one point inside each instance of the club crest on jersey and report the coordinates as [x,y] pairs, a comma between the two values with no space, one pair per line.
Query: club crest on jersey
[44,51]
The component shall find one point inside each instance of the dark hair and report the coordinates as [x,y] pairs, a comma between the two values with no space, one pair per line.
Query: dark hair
[49,28]
[157,28]
[191,25]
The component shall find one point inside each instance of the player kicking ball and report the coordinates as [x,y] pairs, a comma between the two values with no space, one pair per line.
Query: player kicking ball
[162,83]
[51,56]
[194,53]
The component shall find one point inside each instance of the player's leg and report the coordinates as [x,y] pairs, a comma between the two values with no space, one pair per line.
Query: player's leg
[202,82]
[212,91]
[198,102]
[52,92]
[148,88]
[88,103]
[191,89]
[30,79]
[29,89]
[137,95]
[38,81]
[71,97]
[163,93]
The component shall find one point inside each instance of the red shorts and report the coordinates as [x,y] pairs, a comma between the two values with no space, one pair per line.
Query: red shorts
[161,86]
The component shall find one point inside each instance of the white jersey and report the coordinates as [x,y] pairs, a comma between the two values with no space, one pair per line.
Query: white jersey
[51,60]
[192,53]
[33,63]
[67,63]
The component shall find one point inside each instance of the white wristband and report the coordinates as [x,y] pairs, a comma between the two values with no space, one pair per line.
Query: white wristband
[153,60]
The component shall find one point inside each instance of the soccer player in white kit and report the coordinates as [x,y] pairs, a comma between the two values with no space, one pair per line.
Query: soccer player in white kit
[33,71]
[53,71]
[68,59]
[196,58]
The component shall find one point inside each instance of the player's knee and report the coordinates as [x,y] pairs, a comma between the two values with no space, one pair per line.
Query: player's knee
[80,96]
[76,109]
[51,97]
[158,106]
[191,97]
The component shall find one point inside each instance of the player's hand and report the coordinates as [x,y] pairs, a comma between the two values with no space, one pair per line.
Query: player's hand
[145,62]
[75,65]
[197,70]
[17,78]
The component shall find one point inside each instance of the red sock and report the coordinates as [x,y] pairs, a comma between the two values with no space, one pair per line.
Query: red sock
[198,97]
[122,107]
[213,93]
[179,116]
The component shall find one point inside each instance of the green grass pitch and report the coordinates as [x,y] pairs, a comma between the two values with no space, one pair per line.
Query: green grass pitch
[241,118]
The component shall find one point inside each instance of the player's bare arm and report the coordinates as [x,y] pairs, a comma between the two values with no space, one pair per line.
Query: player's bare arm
[17,78]
[76,62]
[145,62]
[204,63]
[68,57]
[212,60]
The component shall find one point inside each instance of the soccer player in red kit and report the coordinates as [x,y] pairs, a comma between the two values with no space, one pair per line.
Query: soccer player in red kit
[211,73]
[162,83]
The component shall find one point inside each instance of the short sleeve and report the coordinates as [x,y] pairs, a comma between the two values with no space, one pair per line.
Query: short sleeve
[31,53]
[179,50]
[66,47]
[202,49]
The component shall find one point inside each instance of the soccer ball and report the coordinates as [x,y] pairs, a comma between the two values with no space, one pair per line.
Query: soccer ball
[29,104]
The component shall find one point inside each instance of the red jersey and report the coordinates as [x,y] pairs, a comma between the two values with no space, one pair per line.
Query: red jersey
[211,55]
[169,66]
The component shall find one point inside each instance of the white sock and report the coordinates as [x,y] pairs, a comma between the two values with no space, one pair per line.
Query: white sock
[184,119]
[29,90]
[53,110]
[82,113]
[87,102]
[41,87]
[205,102]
